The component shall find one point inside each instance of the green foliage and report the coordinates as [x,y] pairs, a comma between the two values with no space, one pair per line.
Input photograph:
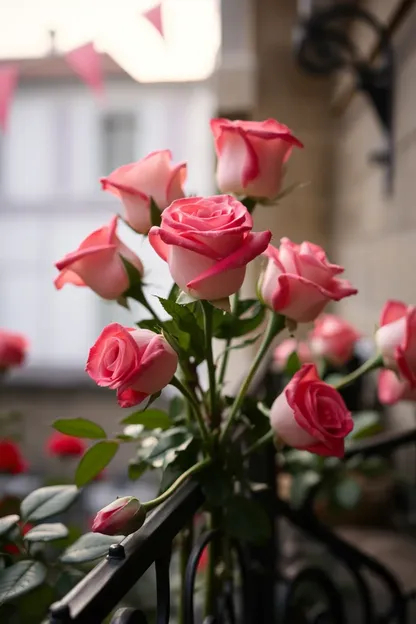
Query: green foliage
[293,364]
[177,408]
[216,485]
[155,213]
[47,532]
[48,501]
[246,520]
[89,547]
[171,440]
[136,469]
[20,578]
[80,428]
[8,523]
[184,329]
[95,460]
[135,289]
[150,419]
[151,324]
[366,424]
[227,326]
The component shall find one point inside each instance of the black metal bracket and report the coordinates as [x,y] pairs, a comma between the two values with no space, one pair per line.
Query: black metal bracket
[323,46]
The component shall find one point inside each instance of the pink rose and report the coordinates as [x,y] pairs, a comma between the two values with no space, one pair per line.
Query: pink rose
[13,349]
[121,517]
[207,243]
[392,389]
[285,349]
[97,263]
[311,415]
[299,281]
[135,362]
[396,339]
[152,177]
[251,155]
[333,339]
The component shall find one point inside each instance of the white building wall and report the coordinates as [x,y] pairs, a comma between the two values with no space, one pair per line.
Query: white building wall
[50,199]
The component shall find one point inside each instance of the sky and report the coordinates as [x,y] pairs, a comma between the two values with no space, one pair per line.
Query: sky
[189,52]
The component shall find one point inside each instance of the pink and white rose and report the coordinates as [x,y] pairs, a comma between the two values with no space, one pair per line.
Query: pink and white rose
[299,281]
[333,338]
[97,264]
[392,389]
[396,339]
[152,177]
[207,243]
[251,156]
[135,362]
[311,415]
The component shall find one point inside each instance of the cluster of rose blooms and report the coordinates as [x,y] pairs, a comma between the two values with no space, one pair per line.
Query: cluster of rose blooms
[207,243]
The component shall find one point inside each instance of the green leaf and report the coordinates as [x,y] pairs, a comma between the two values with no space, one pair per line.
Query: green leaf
[170,440]
[182,461]
[48,501]
[155,213]
[174,292]
[184,319]
[216,485]
[7,523]
[231,326]
[47,532]
[135,289]
[249,203]
[301,484]
[137,469]
[246,520]
[151,324]
[293,364]
[366,424]
[184,298]
[20,578]
[94,461]
[89,547]
[347,493]
[176,407]
[80,428]
[150,419]
[34,606]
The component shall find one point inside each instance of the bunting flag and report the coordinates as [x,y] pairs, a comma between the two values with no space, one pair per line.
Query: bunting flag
[8,83]
[154,16]
[86,62]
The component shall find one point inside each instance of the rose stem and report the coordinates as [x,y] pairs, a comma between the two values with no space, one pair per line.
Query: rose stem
[194,404]
[224,362]
[369,365]
[207,310]
[276,325]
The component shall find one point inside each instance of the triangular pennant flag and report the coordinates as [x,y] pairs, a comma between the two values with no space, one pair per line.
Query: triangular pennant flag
[8,83]
[86,62]
[154,16]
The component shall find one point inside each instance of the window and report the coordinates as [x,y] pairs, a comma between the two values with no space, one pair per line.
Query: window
[118,138]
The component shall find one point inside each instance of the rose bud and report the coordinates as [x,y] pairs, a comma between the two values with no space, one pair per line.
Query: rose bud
[396,339]
[333,339]
[311,415]
[392,389]
[62,445]
[11,459]
[251,156]
[121,517]
[207,243]
[152,177]
[97,264]
[13,349]
[285,349]
[299,281]
[135,362]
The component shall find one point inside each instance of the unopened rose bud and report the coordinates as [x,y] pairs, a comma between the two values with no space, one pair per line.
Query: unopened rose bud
[121,517]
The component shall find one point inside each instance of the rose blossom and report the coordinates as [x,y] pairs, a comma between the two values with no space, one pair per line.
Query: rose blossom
[13,349]
[135,362]
[152,177]
[63,445]
[392,389]
[251,155]
[97,263]
[121,517]
[311,415]
[333,339]
[207,243]
[285,349]
[396,339]
[299,281]
[11,460]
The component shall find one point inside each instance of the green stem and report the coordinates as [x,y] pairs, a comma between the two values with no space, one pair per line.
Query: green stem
[369,365]
[185,548]
[149,307]
[212,582]
[224,362]
[195,406]
[265,439]
[163,497]
[208,310]
[276,325]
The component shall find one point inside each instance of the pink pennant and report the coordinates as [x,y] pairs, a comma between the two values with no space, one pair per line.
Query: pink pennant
[86,62]
[8,83]
[154,16]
